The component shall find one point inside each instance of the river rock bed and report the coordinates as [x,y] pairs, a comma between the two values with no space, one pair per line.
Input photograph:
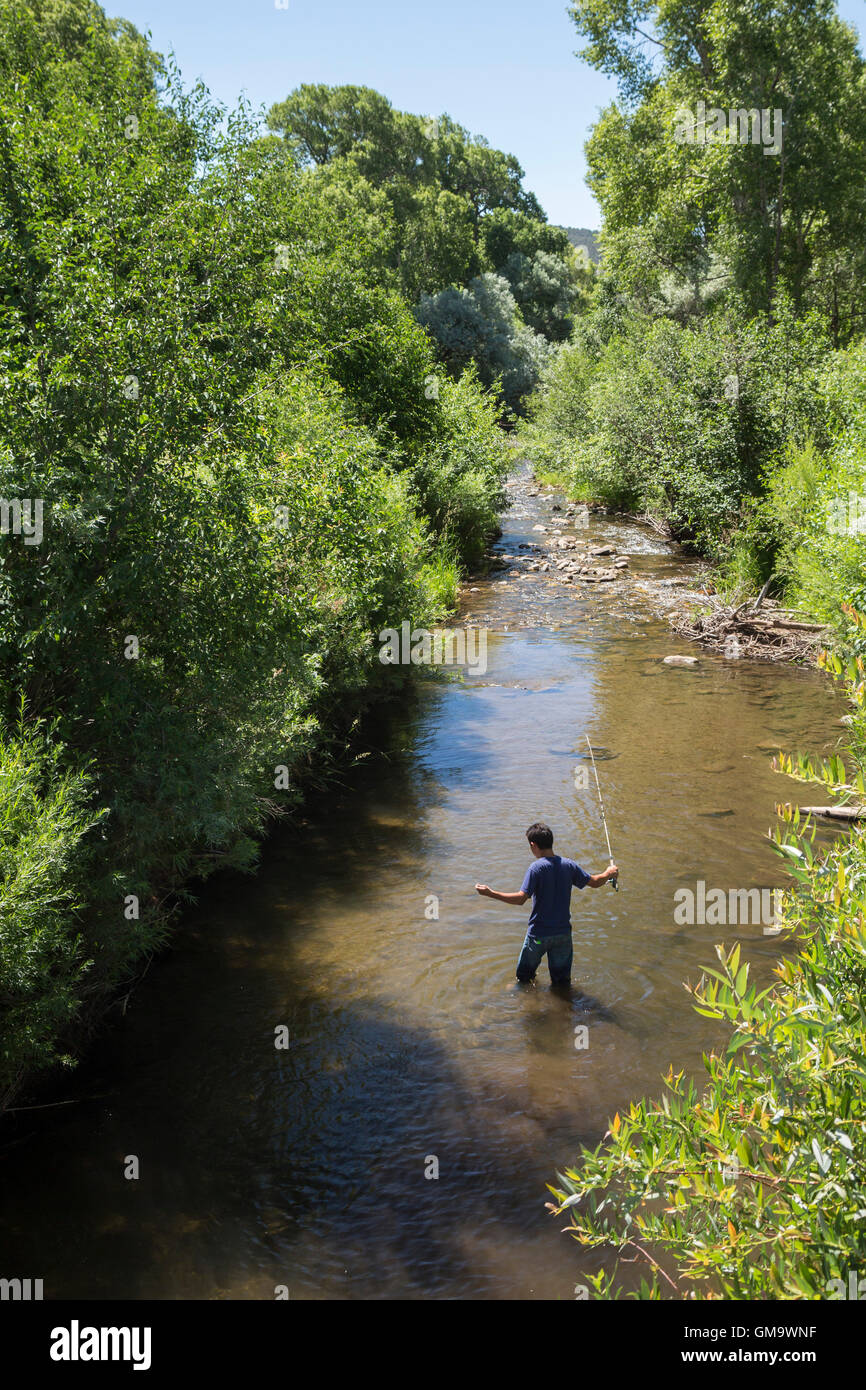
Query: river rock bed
[572,552]
[580,550]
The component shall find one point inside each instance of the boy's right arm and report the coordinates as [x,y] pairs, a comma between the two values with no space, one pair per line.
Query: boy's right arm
[515,899]
[596,880]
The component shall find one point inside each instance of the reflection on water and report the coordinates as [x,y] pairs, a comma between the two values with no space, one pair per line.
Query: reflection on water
[408,1042]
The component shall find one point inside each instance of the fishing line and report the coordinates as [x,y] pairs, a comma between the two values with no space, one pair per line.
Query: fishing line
[603,817]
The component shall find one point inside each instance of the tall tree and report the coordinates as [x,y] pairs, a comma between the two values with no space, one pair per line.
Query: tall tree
[788,208]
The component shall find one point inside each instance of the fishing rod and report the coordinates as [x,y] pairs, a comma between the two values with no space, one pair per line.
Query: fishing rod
[603,817]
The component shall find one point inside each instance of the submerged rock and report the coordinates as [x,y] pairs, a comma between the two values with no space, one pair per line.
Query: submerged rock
[680,661]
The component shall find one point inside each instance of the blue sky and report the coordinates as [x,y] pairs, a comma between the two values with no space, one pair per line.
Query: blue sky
[505,69]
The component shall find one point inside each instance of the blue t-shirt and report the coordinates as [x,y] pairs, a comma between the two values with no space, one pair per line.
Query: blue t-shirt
[550,882]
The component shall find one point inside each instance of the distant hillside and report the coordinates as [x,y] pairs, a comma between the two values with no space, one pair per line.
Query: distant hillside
[581,236]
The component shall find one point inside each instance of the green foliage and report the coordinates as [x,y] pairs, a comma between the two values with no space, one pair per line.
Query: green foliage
[394,148]
[808,526]
[483,325]
[673,204]
[505,233]
[453,213]
[753,1188]
[438,246]
[460,482]
[213,383]
[647,416]
[548,290]
[44,819]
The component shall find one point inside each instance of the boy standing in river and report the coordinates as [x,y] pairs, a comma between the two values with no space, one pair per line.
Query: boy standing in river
[548,881]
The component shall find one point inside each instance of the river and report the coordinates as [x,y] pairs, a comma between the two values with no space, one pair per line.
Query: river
[410,1050]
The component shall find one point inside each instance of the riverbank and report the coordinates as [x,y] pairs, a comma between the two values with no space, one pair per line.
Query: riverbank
[362,936]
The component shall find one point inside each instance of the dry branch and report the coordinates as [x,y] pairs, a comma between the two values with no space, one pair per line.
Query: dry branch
[774,634]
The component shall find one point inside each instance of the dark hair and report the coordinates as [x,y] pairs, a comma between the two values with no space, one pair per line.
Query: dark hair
[540,834]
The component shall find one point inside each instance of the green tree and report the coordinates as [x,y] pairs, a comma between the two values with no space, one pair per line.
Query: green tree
[407,154]
[505,231]
[793,215]
[549,291]
[213,384]
[438,243]
[483,325]
[326,123]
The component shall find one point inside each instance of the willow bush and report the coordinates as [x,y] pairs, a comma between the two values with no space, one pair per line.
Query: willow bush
[678,422]
[213,385]
[44,819]
[809,527]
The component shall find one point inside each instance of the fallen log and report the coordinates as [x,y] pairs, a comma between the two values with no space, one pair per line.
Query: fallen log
[770,623]
[849,813]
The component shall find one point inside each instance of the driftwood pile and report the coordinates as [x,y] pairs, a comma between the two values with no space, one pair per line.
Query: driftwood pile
[757,630]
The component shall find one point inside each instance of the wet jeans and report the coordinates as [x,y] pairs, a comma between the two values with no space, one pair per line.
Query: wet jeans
[559,955]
